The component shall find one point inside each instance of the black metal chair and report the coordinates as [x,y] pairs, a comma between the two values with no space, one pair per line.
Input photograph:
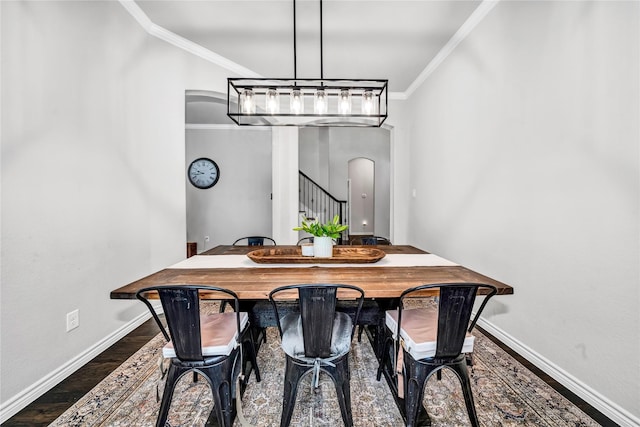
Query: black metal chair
[255,241]
[370,240]
[432,338]
[315,337]
[211,345]
[308,239]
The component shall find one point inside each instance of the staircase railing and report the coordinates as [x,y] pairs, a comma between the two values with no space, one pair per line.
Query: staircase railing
[318,203]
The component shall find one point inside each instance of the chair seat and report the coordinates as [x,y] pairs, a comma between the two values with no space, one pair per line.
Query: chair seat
[293,341]
[218,332]
[419,331]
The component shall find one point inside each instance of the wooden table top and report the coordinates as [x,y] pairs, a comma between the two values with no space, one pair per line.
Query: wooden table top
[256,283]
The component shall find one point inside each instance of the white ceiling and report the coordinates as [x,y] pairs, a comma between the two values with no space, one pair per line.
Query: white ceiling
[363,39]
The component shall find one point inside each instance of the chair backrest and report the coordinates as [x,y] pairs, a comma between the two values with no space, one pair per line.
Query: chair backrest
[181,306]
[255,241]
[455,304]
[308,239]
[371,240]
[317,306]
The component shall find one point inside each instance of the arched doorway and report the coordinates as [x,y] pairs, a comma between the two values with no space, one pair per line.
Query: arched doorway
[361,197]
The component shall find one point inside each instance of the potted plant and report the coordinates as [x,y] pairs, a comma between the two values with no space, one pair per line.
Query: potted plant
[323,235]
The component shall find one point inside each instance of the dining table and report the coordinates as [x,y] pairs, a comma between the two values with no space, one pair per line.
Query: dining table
[383,280]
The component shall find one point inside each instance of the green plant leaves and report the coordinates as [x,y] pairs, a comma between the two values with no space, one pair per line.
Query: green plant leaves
[331,229]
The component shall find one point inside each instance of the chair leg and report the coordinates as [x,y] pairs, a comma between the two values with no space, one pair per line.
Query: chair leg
[416,375]
[219,377]
[172,377]
[385,356]
[223,306]
[293,373]
[249,346]
[360,330]
[342,378]
[463,375]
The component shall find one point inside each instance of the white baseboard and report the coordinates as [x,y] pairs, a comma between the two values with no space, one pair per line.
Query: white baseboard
[612,410]
[18,402]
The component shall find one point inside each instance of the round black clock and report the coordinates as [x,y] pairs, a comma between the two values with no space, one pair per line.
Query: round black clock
[203,173]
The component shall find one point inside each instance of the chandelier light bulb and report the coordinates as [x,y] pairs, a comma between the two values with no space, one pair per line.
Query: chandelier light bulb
[344,102]
[272,101]
[297,103]
[320,102]
[368,103]
[248,102]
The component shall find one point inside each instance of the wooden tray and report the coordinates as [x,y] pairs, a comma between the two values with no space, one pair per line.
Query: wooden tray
[341,255]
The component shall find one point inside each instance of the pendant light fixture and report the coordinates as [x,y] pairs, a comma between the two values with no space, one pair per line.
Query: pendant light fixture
[307,102]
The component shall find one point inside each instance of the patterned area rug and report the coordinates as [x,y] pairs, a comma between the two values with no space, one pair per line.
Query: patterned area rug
[506,394]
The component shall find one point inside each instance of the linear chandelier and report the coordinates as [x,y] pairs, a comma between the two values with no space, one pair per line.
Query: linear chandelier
[307,102]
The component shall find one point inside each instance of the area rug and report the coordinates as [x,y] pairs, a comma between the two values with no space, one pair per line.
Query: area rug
[506,394]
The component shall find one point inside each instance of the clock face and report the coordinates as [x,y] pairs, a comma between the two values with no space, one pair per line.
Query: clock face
[203,173]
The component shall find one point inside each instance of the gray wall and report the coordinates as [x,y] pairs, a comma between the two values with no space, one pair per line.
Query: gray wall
[240,203]
[325,153]
[92,175]
[362,198]
[525,160]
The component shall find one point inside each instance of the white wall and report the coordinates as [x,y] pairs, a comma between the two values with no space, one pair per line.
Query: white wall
[240,203]
[284,161]
[400,171]
[313,153]
[525,160]
[93,176]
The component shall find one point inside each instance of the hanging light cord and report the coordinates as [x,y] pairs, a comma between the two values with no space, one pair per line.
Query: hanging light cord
[295,68]
[321,55]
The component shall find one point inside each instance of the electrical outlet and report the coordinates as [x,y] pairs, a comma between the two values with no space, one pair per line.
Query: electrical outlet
[206,238]
[73,320]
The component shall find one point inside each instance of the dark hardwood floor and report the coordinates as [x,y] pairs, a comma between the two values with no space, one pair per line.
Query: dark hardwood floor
[597,416]
[52,404]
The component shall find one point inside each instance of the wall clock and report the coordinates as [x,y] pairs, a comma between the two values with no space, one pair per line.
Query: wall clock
[203,173]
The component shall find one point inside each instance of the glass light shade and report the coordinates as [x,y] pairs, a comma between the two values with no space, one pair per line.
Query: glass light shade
[368,103]
[307,102]
[320,102]
[297,102]
[344,102]
[272,101]
[247,100]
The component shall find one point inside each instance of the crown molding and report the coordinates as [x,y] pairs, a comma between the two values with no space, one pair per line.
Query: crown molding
[398,96]
[233,126]
[187,45]
[465,29]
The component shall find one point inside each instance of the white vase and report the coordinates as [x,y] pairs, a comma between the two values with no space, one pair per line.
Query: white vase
[307,249]
[322,247]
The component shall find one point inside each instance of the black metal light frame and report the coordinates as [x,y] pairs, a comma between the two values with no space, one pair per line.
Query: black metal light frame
[308,87]
[283,114]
